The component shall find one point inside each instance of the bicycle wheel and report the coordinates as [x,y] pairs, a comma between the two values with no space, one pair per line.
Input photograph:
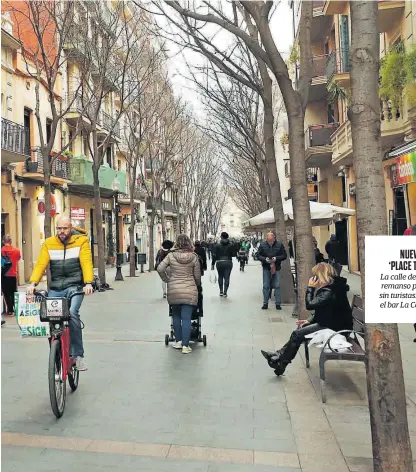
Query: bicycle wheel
[73,378]
[57,387]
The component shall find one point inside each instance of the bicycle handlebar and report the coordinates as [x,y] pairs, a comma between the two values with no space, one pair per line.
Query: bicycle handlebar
[40,293]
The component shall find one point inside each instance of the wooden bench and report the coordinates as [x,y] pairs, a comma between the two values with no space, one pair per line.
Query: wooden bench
[355,353]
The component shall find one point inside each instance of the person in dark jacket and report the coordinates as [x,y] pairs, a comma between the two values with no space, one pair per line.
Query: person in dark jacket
[222,255]
[331,248]
[326,295]
[136,252]
[200,251]
[319,257]
[161,254]
[210,247]
[271,254]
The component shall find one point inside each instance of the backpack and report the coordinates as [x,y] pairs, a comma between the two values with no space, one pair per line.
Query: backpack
[6,264]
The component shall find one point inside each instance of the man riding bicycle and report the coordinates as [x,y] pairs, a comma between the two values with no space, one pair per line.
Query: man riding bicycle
[69,256]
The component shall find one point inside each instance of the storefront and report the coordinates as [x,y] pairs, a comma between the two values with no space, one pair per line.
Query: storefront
[400,171]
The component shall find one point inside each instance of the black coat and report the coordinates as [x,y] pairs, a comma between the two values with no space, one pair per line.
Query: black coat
[224,251]
[330,304]
[200,251]
[276,250]
[331,248]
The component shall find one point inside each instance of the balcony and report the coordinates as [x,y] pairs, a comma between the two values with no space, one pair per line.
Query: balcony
[169,207]
[110,180]
[396,122]
[15,142]
[338,67]
[318,90]
[389,13]
[108,123]
[78,109]
[342,145]
[318,149]
[34,168]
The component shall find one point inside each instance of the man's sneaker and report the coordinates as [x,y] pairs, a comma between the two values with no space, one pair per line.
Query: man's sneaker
[177,345]
[3,322]
[164,295]
[278,307]
[80,364]
[265,306]
[225,295]
[186,350]
[221,294]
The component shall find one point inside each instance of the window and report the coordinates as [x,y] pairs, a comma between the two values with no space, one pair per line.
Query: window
[48,129]
[71,143]
[26,122]
[118,165]
[85,144]
[109,156]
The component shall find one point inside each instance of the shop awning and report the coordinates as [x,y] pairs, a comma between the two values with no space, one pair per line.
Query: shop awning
[322,214]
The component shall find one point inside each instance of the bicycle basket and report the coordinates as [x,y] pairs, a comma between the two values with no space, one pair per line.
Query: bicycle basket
[54,309]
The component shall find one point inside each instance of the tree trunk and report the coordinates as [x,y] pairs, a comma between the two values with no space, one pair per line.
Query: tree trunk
[286,282]
[152,242]
[47,172]
[301,209]
[163,221]
[132,252]
[99,226]
[385,383]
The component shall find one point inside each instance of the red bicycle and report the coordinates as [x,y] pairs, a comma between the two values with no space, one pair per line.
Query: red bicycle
[56,312]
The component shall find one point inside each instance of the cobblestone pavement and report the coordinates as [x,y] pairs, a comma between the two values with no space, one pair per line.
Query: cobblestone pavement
[145,407]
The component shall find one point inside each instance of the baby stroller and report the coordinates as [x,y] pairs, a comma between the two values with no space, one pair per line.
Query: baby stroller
[196,332]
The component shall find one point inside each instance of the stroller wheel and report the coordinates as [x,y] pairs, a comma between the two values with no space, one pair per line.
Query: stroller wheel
[167,340]
[204,340]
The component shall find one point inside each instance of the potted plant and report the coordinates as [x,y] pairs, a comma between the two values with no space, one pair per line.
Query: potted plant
[284,140]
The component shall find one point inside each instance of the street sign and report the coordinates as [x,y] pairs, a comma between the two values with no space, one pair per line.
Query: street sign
[77,213]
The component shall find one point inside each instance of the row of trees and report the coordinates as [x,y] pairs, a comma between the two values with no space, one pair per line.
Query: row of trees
[245,25]
[108,63]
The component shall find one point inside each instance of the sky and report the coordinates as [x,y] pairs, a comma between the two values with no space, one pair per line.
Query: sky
[281,25]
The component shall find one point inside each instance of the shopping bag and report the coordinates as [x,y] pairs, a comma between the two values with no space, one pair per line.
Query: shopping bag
[213,277]
[28,316]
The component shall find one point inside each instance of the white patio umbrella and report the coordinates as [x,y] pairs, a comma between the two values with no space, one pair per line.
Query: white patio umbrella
[322,214]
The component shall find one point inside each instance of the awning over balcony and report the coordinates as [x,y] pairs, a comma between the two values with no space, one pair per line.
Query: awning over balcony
[322,214]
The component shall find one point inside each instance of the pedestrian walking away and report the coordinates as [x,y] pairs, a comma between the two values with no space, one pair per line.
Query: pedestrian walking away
[136,252]
[222,257]
[68,254]
[271,254]
[332,249]
[167,245]
[181,271]
[200,252]
[326,295]
[10,256]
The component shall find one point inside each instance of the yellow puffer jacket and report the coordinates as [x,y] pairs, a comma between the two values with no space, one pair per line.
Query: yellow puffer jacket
[70,264]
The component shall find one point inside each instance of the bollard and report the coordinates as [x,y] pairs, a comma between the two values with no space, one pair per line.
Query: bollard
[119,275]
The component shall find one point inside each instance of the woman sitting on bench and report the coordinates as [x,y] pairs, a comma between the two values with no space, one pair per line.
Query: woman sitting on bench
[326,295]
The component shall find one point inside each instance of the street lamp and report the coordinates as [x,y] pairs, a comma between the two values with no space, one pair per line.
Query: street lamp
[119,275]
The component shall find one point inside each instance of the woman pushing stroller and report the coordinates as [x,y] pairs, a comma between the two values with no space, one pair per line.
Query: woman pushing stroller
[181,271]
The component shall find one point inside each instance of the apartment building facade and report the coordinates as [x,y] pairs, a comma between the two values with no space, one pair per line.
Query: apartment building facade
[22,176]
[328,140]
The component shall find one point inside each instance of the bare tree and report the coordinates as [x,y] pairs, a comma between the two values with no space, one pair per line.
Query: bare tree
[114,42]
[43,27]
[168,144]
[138,125]
[385,383]
[259,40]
